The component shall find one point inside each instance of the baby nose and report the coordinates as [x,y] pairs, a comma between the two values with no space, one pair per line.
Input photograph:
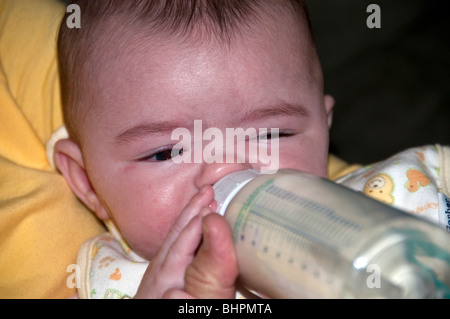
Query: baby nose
[210,173]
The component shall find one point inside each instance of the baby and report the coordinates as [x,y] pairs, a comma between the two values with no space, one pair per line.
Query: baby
[138,70]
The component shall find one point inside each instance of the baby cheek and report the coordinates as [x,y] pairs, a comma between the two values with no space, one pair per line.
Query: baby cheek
[142,216]
[303,160]
[162,212]
[146,229]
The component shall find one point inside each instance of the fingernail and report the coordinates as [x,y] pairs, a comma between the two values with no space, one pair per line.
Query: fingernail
[213,205]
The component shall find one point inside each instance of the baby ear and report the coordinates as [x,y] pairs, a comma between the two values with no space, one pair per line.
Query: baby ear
[69,161]
[329,105]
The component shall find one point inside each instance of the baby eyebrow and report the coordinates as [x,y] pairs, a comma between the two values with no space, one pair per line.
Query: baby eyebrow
[276,110]
[165,127]
[145,129]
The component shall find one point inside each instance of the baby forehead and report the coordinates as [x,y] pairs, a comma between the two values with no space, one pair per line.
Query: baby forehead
[133,66]
[200,77]
[160,58]
[197,81]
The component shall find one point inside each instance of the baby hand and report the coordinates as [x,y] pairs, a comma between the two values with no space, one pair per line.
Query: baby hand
[214,270]
[178,272]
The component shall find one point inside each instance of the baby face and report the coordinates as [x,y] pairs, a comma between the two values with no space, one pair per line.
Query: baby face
[146,94]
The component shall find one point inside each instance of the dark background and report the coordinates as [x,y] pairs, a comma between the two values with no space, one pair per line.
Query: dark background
[391,85]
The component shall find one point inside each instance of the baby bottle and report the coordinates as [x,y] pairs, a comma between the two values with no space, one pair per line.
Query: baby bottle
[301,236]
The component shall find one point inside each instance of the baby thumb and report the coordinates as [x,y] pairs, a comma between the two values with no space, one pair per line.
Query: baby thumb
[213,272]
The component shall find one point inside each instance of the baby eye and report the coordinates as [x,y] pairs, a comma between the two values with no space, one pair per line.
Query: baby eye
[276,134]
[163,155]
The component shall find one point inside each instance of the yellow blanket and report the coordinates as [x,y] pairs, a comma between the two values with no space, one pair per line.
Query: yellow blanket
[42,224]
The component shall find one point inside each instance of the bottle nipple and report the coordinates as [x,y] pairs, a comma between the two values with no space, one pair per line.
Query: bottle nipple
[229,185]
